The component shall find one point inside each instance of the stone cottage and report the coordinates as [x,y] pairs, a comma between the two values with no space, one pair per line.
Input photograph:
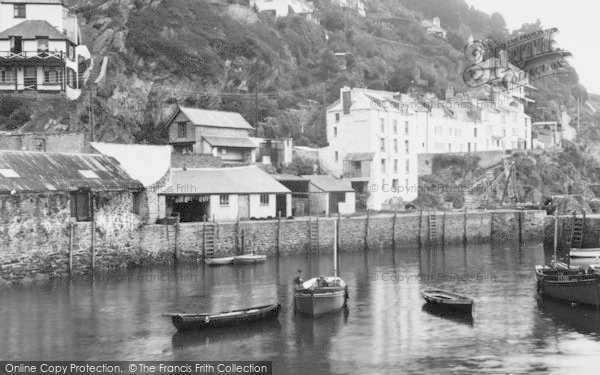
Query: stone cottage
[52,203]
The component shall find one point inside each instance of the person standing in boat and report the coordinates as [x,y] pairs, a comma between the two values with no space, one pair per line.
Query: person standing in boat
[298,280]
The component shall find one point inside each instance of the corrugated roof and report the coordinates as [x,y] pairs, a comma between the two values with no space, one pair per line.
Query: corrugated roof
[40,172]
[32,29]
[215,118]
[231,142]
[359,156]
[146,163]
[329,183]
[240,180]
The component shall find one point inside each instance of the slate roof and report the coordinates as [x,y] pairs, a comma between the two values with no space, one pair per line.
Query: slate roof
[146,163]
[32,29]
[238,180]
[230,142]
[218,119]
[26,171]
[329,183]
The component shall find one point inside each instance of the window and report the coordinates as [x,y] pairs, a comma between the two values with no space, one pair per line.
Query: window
[20,11]
[181,130]
[406,184]
[395,127]
[395,165]
[382,125]
[383,166]
[224,199]
[406,147]
[395,183]
[335,131]
[39,144]
[336,157]
[407,166]
[6,76]
[337,117]
[395,145]
[437,130]
[449,147]
[406,127]
[42,44]
[475,132]
[52,77]
[80,206]
[264,199]
[382,145]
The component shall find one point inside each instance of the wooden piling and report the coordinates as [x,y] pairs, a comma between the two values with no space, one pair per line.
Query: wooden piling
[420,243]
[394,231]
[367,231]
[71,249]
[519,221]
[443,228]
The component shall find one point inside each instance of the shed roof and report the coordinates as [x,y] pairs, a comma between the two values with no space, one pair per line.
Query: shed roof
[236,142]
[146,163]
[218,119]
[238,180]
[329,183]
[26,171]
[31,29]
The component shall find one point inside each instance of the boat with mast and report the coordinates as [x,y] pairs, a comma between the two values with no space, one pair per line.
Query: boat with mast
[564,282]
[322,295]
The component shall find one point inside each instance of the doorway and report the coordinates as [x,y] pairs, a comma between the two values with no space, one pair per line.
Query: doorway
[243,206]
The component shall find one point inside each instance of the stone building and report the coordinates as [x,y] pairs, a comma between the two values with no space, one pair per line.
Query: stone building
[67,142]
[50,201]
[217,133]
[283,8]
[149,164]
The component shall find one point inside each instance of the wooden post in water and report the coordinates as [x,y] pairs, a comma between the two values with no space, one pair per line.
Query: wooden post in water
[394,231]
[367,230]
[278,233]
[237,236]
[71,250]
[443,228]
[519,220]
[420,228]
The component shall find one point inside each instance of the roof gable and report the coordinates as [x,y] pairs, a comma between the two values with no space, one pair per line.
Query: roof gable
[32,29]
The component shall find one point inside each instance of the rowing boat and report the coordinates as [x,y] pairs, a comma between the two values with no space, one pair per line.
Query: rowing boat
[193,321]
[218,261]
[448,300]
[249,259]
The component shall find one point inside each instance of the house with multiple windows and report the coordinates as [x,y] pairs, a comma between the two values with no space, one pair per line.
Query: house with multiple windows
[41,48]
[217,133]
[224,194]
[283,8]
[372,138]
[434,27]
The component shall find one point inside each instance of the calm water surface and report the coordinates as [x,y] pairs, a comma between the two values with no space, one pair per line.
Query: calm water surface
[386,330]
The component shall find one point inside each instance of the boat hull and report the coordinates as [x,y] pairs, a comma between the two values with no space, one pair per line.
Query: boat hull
[585,253]
[187,322]
[249,259]
[218,261]
[447,300]
[319,303]
[575,290]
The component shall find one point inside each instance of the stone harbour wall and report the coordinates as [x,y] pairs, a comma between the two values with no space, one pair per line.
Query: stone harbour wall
[37,242]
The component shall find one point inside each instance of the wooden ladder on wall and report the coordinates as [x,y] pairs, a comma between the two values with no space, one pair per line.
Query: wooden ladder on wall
[433,229]
[577,226]
[314,236]
[210,230]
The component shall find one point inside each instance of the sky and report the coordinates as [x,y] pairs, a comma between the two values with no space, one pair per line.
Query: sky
[576,21]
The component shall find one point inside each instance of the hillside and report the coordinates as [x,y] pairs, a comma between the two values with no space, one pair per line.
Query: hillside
[216,54]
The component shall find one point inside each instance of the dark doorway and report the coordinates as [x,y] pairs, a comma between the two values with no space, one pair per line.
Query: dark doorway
[334,199]
[192,209]
[281,205]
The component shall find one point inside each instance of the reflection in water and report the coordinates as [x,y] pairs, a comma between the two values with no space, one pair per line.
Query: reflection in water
[386,327]
[450,314]
[581,318]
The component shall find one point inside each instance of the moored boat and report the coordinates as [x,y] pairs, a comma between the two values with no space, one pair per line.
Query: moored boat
[249,259]
[321,295]
[218,261]
[193,321]
[449,300]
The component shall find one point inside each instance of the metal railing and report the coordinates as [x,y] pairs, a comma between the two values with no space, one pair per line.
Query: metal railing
[11,55]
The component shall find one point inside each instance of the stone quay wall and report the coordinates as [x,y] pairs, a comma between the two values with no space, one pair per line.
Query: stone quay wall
[46,243]
[591,232]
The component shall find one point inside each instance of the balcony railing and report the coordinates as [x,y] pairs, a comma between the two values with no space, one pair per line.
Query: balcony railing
[356,173]
[23,55]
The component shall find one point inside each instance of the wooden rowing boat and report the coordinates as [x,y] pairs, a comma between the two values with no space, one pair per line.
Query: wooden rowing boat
[249,259]
[314,299]
[443,298]
[193,321]
[218,261]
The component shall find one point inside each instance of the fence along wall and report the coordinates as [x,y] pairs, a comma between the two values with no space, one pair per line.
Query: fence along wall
[121,243]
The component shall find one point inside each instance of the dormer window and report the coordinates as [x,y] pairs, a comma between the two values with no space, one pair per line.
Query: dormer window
[20,11]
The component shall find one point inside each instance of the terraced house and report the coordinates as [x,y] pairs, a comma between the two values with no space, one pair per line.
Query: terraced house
[41,48]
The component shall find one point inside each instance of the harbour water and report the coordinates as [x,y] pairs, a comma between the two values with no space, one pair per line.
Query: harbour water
[385,330]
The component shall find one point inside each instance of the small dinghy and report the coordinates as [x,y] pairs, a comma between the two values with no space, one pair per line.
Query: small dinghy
[449,300]
[193,321]
[249,259]
[218,261]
